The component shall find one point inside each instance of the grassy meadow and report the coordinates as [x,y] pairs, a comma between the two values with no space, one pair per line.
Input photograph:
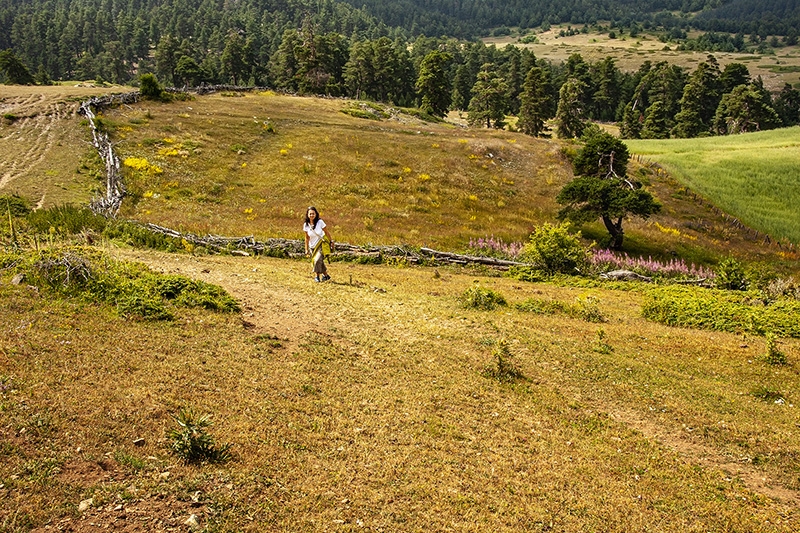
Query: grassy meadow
[378,401]
[365,404]
[754,175]
[250,165]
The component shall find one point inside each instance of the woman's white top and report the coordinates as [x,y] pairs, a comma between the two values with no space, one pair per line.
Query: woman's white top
[314,234]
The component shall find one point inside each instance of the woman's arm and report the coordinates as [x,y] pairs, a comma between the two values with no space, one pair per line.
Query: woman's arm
[307,240]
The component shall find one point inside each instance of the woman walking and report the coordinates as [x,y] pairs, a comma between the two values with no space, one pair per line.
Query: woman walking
[316,231]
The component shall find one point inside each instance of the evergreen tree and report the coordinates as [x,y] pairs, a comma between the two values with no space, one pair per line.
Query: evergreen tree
[601,188]
[16,73]
[787,105]
[234,59]
[732,76]
[488,104]
[745,109]
[606,82]
[571,114]
[700,99]
[166,56]
[632,120]
[534,103]
[656,122]
[433,89]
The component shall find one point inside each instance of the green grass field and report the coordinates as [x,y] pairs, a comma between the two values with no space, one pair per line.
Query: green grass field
[754,176]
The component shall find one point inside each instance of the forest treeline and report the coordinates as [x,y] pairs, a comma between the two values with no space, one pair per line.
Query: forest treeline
[115,40]
[329,48]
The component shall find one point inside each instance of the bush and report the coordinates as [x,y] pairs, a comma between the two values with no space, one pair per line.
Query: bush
[149,87]
[721,311]
[192,443]
[731,275]
[16,205]
[482,298]
[585,308]
[66,220]
[554,250]
[132,288]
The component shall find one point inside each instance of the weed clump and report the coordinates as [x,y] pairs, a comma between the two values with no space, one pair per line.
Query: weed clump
[503,368]
[774,355]
[192,443]
[586,308]
[481,298]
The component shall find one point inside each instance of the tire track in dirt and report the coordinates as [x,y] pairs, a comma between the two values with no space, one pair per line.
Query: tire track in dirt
[37,134]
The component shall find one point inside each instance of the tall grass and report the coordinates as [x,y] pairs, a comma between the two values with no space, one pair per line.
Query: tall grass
[754,177]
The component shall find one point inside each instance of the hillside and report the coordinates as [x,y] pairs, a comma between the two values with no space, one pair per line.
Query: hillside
[372,402]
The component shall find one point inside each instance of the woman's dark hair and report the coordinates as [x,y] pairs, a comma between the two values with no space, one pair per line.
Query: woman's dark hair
[316,218]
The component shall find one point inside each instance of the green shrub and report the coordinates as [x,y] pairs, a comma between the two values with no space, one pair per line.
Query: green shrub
[140,237]
[585,308]
[768,394]
[720,310]
[774,355]
[66,220]
[730,275]
[552,249]
[16,205]
[192,443]
[132,288]
[481,298]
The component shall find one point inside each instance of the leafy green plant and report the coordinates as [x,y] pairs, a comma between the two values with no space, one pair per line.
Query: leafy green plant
[588,309]
[601,344]
[731,275]
[585,308]
[192,443]
[719,310]
[552,249]
[481,298]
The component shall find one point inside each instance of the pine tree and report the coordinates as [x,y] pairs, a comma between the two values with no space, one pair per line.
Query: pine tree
[488,104]
[602,189]
[534,103]
[571,114]
[433,89]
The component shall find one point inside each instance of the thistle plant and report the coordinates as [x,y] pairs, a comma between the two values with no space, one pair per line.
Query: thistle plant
[191,441]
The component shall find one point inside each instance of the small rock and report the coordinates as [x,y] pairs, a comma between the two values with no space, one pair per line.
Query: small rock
[164,475]
[85,504]
[17,279]
[192,521]
[138,442]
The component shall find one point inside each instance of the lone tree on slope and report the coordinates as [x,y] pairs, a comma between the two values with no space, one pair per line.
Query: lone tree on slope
[601,188]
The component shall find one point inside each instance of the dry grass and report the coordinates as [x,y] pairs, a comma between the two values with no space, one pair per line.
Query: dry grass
[392,181]
[349,407]
[46,155]
[251,165]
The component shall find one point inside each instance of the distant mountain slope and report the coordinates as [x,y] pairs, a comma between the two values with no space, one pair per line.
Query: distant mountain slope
[469,18]
[753,16]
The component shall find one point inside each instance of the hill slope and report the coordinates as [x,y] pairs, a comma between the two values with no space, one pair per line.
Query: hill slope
[363,403]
